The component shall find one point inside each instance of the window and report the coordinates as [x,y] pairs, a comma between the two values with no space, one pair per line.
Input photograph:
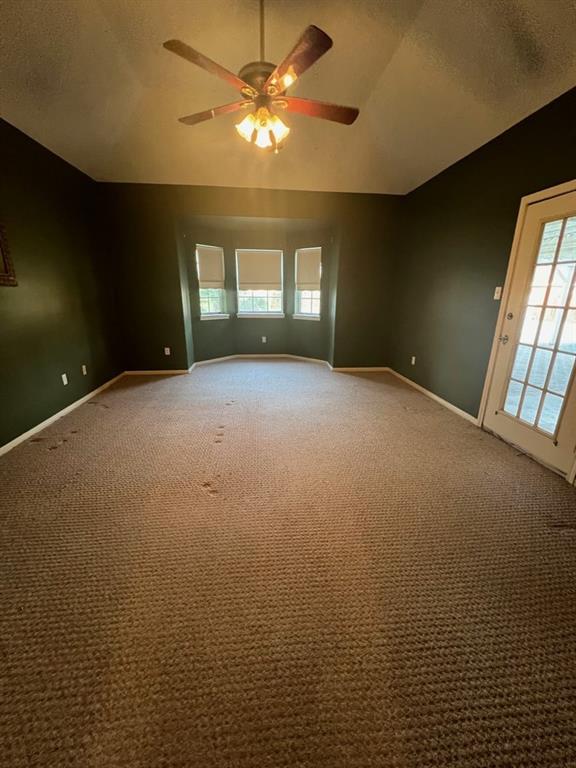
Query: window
[259,283]
[308,303]
[308,271]
[210,266]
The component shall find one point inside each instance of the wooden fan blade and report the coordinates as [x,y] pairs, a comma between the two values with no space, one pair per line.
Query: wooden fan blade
[321,109]
[193,56]
[208,114]
[313,44]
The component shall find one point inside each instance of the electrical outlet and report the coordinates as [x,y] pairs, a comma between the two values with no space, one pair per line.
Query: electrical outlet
[84,370]
[64,379]
[498,293]
[413,361]
[167,351]
[264,339]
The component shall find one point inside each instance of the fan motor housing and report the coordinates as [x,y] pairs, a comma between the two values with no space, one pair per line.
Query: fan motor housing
[256,73]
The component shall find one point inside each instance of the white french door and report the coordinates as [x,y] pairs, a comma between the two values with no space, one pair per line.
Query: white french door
[532,396]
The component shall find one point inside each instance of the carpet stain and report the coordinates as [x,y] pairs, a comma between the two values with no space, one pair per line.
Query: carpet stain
[207,486]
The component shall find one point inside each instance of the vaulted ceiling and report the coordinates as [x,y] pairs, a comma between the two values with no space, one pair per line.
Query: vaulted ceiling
[434,80]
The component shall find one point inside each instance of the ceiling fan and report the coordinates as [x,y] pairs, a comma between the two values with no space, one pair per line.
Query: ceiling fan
[263,87]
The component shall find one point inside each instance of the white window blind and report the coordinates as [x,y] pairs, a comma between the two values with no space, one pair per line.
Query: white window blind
[259,270]
[210,263]
[308,268]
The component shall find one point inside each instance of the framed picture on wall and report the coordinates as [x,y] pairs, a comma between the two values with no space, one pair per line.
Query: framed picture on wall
[7,274]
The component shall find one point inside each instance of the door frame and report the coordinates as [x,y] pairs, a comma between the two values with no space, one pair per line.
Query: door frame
[536,197]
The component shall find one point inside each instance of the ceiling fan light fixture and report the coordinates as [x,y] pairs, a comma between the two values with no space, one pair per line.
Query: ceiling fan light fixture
[247,127]
[263,129]
[278,128]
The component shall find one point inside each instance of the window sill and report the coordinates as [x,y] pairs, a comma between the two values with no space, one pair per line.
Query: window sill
[306,317]
[261,314]
[215,316]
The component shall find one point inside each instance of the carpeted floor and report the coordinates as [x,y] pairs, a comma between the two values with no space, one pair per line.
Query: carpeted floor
[269,565]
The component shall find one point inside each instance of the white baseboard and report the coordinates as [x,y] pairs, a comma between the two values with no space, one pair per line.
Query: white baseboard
[260,357]
[165,372]
[363,369]
[212,360]
[436,398]
[51,419]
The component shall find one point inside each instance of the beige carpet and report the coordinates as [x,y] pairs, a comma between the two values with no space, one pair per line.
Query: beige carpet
[269,565]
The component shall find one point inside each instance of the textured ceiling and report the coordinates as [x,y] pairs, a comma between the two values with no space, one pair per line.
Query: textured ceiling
[434,79]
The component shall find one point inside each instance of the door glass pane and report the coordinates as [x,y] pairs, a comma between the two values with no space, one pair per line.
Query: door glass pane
[537,295]
[550,327]
[568,247]
[549,242]
[550,413]
[542,275]
[530,325]
[521,362]
[561,373]
[561,284]
[539,369]
[513,397]
[546,353]
[568,339]
[530,404]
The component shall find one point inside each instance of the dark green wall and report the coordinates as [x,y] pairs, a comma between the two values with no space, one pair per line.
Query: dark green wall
[61,313]
[154,315]
[454,247]
[152,277]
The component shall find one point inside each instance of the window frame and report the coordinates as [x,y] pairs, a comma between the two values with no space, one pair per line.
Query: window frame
[223,314]
[256,314]
[298,314]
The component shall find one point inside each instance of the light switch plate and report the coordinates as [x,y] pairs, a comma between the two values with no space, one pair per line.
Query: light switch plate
[84,370]
[64,379]
[264,339]
[498,293]
[167,350]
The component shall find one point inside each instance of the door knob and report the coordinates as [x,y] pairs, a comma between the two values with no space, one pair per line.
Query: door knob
[504,339]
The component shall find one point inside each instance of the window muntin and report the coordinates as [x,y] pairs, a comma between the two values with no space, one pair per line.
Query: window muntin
[210,268]
[545,356]
[307,303]
[251,302]
[212,301]
[260,285]
[308,266]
